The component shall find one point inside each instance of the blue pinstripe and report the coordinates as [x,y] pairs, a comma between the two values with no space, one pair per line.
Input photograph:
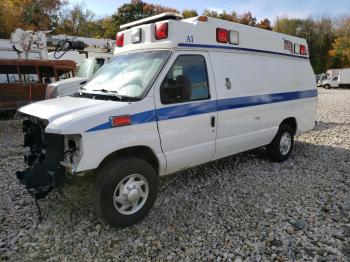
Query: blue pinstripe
[203,107]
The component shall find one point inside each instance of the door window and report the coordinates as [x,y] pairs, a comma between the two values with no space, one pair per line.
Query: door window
[335,78]
[187,80]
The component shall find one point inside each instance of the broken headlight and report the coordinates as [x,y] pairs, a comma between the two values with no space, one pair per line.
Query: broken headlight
[72,152]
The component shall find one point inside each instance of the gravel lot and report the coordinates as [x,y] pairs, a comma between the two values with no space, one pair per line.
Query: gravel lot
[239,208]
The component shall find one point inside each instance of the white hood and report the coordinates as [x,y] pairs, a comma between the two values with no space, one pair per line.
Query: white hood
[66,110]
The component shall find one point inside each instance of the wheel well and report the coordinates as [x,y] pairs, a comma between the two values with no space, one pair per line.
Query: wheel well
[291,122]
[142,152]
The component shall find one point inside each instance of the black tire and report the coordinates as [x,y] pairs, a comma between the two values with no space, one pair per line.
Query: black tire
[107,180]
[327,87]
[273,149]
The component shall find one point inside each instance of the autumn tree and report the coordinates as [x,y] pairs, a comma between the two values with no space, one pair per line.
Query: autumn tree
[233,17]
[136,10]
[244,18]
[339,55]
[265,24]
[247,19]
[151,9]
[28,14]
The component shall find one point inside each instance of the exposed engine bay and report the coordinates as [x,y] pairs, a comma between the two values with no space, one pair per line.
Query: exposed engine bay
[47,156]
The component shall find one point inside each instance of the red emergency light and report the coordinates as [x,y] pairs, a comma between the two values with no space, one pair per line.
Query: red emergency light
[302,50]
[120,39]
[161,31]
[221,35]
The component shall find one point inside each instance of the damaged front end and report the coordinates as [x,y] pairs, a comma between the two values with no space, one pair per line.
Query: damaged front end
[44,156]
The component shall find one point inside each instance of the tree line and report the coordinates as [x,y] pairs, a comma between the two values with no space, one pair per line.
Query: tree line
[328,38]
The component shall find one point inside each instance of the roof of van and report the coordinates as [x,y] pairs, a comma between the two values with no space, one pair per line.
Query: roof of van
[200,33]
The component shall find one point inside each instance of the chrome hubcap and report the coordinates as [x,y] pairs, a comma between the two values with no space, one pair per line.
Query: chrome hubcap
[285,143]
[131,194]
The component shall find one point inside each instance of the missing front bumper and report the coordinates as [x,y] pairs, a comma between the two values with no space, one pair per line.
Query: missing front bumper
[43,157]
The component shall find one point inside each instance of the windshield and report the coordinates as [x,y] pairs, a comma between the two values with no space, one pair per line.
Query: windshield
[128,74]
[88,68]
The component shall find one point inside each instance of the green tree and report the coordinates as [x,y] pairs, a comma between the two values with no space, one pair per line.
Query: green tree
[187,13]
[211,13]
[77,21]
[109,27]
[319,35]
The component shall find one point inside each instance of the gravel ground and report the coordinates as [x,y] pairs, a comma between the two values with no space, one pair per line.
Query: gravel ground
[241,208]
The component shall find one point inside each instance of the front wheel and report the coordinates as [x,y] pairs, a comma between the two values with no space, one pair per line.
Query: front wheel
[125,191]
[282,145]
[327,87]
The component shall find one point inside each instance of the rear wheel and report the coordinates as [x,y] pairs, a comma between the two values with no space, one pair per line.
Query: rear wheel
[125,191]
[282,145]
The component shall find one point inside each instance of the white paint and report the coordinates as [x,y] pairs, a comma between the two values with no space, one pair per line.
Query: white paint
[183,142]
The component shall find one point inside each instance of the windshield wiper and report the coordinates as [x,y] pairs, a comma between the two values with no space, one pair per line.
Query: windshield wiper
[105,91]
[113,93]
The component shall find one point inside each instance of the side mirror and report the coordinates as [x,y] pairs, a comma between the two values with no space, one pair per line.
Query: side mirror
[175,91]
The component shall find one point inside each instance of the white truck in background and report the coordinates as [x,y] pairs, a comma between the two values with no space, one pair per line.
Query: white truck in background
[70,86]
[337,78]
[320,78]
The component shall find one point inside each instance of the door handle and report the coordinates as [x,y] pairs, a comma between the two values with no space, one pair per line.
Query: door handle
[212,121]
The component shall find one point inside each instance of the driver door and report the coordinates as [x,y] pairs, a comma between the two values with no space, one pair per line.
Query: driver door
[335,81]
[185,99]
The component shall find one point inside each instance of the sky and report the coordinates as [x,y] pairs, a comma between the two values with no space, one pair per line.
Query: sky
[259,8]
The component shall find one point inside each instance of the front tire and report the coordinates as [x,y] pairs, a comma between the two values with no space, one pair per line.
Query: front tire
[327,87]
[281,146]
[125,191]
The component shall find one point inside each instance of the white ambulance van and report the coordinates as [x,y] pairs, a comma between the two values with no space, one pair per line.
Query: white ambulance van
[177,94]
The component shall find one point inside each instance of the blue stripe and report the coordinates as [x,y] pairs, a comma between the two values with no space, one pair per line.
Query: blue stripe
[232,103]
[186,110]
[240,49]
[100,127]
[144,117]
[204,107]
